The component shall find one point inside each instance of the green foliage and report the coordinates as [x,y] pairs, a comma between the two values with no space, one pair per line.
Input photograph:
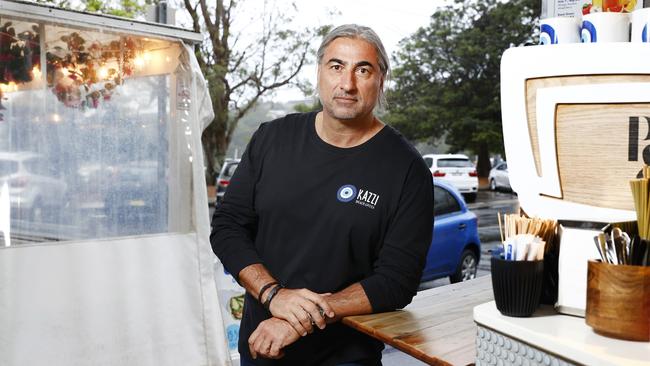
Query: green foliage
[447,79]
[304,108]
[122,8]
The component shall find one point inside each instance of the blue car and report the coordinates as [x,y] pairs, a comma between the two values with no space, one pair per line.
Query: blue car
[455,249]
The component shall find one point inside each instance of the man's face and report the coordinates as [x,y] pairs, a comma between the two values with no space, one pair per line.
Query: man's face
[349,79]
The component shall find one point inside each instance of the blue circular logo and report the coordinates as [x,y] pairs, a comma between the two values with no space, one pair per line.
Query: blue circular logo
[588,32]
[644,34]
[346,193]
[547,35]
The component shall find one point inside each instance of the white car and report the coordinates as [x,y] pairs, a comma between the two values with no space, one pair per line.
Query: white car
[498,177]
[34,185]
[456,169]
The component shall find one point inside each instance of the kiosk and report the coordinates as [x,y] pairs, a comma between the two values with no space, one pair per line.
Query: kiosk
[105,257]
[576,127]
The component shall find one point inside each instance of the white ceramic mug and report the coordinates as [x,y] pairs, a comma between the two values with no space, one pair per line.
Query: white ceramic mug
[605,27]
[640,25]
[559,30]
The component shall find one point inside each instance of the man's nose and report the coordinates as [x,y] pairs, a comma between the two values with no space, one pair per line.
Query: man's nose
[348,81]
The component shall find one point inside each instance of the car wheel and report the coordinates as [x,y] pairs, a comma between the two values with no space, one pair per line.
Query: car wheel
[493,185]
[467,267]
[470,197]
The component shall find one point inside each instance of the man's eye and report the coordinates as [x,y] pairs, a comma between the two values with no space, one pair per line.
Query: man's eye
[336,67]
[363,71]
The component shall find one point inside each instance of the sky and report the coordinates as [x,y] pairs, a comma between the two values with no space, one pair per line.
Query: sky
[392,20]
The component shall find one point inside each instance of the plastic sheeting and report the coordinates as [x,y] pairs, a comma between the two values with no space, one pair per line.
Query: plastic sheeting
[94,282]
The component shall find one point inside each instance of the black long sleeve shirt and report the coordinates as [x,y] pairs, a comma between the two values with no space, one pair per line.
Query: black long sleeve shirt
[322,218]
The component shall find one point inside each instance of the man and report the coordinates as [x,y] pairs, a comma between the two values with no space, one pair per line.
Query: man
[329,214]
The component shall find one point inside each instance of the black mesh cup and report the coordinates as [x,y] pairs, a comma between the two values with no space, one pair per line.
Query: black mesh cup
[517,286]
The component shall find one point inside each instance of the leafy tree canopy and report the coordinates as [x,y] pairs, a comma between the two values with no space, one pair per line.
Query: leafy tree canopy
[446,83]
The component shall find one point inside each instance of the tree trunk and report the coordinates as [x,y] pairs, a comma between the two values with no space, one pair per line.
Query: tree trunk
[215,137]
[215,143]
[483,165]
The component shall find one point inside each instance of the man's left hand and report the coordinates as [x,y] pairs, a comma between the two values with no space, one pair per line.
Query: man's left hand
[302,308]
[270,337]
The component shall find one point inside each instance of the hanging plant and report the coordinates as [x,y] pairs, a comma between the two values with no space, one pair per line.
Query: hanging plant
[19,55]
[75,73]
[79,76]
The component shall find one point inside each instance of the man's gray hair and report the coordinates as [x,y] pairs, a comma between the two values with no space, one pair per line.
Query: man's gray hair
[367,34]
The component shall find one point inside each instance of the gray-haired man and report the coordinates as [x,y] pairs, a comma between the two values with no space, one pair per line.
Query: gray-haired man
[329,214]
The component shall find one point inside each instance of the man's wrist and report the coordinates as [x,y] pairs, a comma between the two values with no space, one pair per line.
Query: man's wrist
[272,292]
[263,290]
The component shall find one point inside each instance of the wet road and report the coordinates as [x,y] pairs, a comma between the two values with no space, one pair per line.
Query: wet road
[486,207]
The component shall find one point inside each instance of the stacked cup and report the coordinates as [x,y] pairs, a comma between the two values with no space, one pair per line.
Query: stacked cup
[640,21]
[559,30]
[605,27]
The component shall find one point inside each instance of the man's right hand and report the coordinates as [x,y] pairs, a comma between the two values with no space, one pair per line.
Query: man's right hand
[302,309]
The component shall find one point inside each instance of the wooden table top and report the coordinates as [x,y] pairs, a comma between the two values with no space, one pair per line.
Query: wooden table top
[437,327]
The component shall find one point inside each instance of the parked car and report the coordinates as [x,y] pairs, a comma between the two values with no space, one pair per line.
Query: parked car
[499,177]
[456,169]
[35,185]
[227,171]
[455,249]
[136,199]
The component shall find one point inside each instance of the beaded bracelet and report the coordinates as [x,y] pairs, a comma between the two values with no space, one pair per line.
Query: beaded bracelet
[263,289]
[274,290]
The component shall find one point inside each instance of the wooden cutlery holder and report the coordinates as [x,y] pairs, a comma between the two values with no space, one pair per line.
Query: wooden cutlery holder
[618,300]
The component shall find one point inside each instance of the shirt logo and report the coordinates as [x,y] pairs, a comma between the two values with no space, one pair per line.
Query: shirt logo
[346,193]
[363,197]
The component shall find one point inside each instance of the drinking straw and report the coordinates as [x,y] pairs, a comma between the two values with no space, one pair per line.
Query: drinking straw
[500,228]
[644,208]
[639,194]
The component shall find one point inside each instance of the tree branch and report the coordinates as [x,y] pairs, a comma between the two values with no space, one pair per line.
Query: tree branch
[213,30]
[291,76]
[243,82]
[196,25]
[237,63]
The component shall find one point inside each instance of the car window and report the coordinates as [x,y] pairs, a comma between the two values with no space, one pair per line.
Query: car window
[8,167]
[444,202]
[39,167]
[455,163]
[34,166]
[502,167]
[428,161]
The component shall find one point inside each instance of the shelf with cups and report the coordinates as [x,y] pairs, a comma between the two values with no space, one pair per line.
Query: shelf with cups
[597,27]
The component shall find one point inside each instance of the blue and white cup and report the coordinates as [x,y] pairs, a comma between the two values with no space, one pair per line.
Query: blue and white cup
[604,27]
[559,30]
[640,25]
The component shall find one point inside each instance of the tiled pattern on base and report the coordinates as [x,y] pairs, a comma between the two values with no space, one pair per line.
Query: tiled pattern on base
[494,348]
